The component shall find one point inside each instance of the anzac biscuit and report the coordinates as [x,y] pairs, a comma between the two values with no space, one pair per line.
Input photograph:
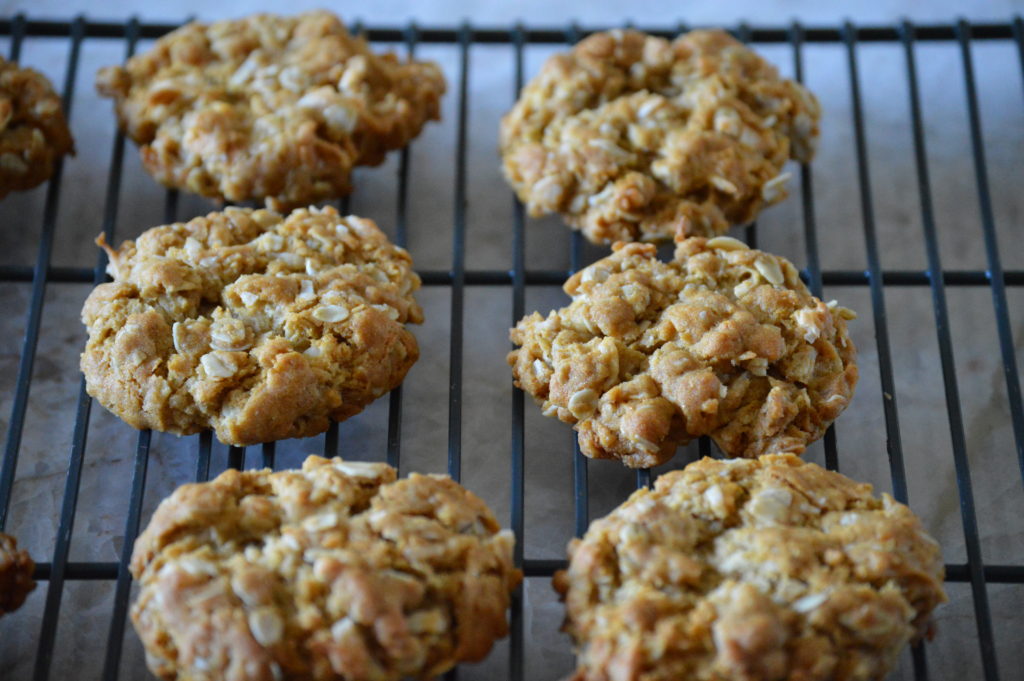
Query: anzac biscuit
[15,574]
[259,326]
[634,138]
[759,570]
[269,108]
[33,131]
[723,341]
[336,572]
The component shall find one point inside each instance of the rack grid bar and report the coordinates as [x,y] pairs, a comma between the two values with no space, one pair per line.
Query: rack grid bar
[458,272]
[532,567]
[30,342]
[995,266]
[900,278]
[938,286]
[815,34]
[268,454]
[204,452]
[955,572]
[8,466]
[580,465]
[73,479]
[1018,39]
[812,275]
[894,444]
[115,635]
[394,446]
[518,445]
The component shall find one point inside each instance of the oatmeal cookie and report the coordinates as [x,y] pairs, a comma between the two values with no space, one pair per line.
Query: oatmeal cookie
[33,131]
[15,574]
[269,108]
[259,326]
[757,570]
[723,341]
[634,138]
[335,572]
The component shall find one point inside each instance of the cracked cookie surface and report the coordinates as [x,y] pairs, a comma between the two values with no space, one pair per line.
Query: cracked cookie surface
[634,138]
[336,571]
[723,340]
[16,569]
[259,326]
[269,108]
[758,570]
[33,130]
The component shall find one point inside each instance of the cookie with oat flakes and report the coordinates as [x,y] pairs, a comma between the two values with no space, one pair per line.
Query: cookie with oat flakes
[333,572]
[758,570]
[16,569]
[33,131]
[260,326]
[269,108]
[631,137]
[723,340]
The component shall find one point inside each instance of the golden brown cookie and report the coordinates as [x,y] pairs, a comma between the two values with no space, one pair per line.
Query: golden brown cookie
[759,570]
[16,569]
[269,108]
[33,131]
[259,326]
[337,572]
[723,341]
[634,138]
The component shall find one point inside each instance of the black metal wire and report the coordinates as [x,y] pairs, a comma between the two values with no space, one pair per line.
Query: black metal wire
[236,457]
[331,437]
[17,36]
[518,446]
[458,271]
[893,278]
[489,35]
[743,34]
[996,574]
[9,465]
[995,266]
[973,572]
[203,456]
[893,442]
[268,454]
[39,279]
[580,465]
[1018,39]
[115,635]
[813,275]
[394,445]
[55,589]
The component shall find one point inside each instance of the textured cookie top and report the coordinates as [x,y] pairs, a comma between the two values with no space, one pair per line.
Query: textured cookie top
[260,326]
[632,137]
[269,107]
[16,569]
[750,569]
[333,572]
[723,341]
[33,131]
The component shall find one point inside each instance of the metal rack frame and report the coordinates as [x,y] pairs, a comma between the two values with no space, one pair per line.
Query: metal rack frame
[974,572]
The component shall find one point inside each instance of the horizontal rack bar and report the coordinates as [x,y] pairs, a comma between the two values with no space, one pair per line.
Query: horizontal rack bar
[490,35]
[955,572]
[84,275]
[78,571]
[538,567]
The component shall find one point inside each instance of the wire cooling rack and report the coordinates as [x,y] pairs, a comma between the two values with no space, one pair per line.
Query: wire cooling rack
[59,570]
